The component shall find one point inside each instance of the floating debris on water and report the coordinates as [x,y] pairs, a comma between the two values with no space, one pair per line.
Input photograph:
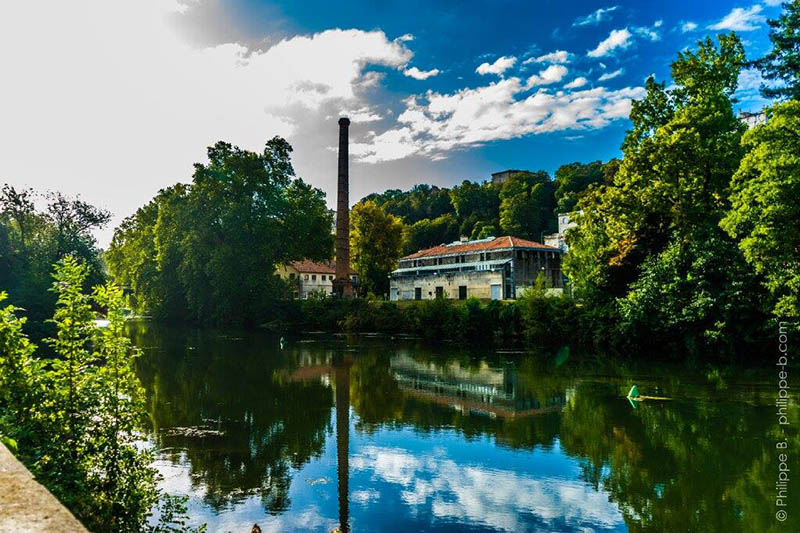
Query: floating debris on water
[198,432]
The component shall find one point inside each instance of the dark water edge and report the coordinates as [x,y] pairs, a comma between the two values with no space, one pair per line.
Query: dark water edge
[391,434]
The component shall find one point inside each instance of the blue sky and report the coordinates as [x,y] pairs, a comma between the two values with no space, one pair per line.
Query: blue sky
[115,100]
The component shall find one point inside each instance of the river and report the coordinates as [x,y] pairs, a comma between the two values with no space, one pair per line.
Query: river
[371,434]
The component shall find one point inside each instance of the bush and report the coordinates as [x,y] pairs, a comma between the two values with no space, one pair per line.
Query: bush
[75,418]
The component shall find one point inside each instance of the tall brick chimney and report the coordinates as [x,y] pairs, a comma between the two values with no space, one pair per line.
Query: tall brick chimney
[342,285]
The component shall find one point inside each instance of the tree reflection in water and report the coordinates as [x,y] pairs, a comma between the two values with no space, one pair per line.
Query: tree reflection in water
[702,462]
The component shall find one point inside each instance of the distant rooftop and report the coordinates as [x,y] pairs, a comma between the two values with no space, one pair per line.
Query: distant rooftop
[481,245]
[315,267]
[509,171]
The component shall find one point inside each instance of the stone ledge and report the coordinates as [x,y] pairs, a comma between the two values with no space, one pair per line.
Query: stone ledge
[25,505]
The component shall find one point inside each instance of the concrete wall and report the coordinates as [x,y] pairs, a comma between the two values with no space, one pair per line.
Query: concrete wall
[478,285]
[25,505]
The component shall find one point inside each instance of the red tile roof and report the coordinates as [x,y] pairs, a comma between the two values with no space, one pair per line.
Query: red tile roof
[498,243]
[313,267]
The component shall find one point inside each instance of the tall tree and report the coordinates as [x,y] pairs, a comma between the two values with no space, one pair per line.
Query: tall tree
[32,240]
[207,252]
[527,204]
[650,243]
[376,239]
[765,214]
[572,180]
[782,62]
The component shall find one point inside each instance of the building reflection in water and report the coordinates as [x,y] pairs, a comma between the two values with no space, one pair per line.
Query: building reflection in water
[341,372]
[494,392]
[482,391]
[338,366]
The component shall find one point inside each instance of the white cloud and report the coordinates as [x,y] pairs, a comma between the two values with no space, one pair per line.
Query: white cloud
[360,115]
[550,75]
[489,497]
[418,74]
[577,82]
[405,38]
[740,19]
[658,23]
[688,26]
[748,91]
[750,79]
[114,79]
[434,124]
[595,17]
[498,67]
[616,39]
[611,75]
[559,56]
[365,497]
[648,33]
[773,3]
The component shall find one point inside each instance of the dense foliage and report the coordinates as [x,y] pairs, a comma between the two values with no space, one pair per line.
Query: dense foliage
[765,212]
[524,206]
[781,65]
[31,240]
[535,319]
[73,420]
[648,247]
[207,252]
[375,246]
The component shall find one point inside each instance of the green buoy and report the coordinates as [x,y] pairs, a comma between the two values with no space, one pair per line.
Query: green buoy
[634,392]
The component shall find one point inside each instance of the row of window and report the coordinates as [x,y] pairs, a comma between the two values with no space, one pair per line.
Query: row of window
[486,256]
[325,277]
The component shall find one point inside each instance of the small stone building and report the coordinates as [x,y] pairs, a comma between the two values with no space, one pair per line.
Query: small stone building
[499,178]
[494,268]
[565,222]
[311,278]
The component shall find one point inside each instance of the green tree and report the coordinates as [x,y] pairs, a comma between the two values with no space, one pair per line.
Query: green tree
[426,233]
[421,202]
[572,180]
[207,252]
[32,240]
[527,205]
[765,214]
[649,244]
[376,241]
[782,62]
[20,385]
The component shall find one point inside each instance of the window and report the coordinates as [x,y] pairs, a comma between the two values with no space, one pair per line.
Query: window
[313,277]
[440,292]
[418,293]
[462,292]
[323,277]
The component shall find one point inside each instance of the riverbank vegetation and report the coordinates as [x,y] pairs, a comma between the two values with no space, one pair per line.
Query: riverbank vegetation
[536,320]
[33,238]
[73,420]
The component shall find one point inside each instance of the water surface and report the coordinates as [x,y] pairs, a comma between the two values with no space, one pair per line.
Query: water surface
[390,435]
